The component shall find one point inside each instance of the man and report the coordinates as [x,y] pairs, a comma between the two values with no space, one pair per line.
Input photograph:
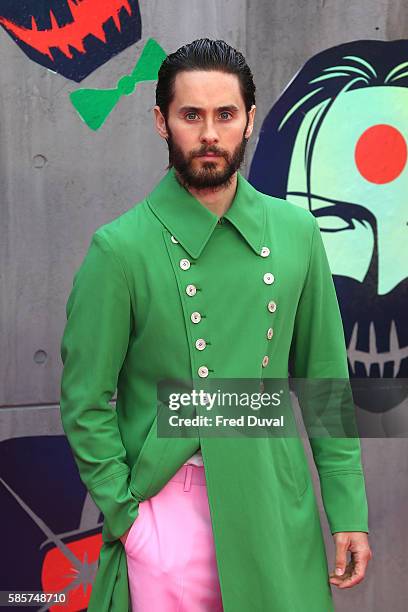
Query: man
[209,278]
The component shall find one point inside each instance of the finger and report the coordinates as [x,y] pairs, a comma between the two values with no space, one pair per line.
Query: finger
[356,576]
[355,570]
[339,579]
[341,556]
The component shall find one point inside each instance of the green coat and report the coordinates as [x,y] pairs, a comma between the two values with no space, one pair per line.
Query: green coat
[129,326]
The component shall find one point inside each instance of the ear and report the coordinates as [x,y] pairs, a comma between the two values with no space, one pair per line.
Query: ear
[251,117]
[160,122]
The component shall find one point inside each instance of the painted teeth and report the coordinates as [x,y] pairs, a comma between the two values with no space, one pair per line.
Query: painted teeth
[395,354]
[70,35]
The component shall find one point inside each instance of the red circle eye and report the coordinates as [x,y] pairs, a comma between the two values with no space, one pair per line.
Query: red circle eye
[381,153]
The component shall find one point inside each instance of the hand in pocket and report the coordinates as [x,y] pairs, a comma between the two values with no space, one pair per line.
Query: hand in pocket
[139,531]
[124,537]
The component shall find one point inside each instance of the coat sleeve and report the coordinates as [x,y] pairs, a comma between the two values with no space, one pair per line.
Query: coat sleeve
[93,348]
[318,351]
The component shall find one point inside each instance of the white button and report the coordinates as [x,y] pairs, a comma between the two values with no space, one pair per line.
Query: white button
[265,361]
[203,371]
[184,264]
[271,306]
[195,317]
[205,399]
[268,278]
[174,240]
[200,344]
[269,333]
[191,290]
[265,251]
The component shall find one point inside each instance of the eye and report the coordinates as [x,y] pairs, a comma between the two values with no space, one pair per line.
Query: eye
[226,113]
[190,113]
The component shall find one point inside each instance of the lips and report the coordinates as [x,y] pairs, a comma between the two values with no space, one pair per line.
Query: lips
[209,155]
[73,37]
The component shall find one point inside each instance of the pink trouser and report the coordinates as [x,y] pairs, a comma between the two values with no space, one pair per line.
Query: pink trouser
[170,549]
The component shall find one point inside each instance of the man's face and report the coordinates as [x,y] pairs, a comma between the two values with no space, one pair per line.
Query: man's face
[207,128]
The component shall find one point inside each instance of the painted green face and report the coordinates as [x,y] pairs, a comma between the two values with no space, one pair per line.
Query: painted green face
[358,173]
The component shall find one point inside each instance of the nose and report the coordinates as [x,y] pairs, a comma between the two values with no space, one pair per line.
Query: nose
[209,133]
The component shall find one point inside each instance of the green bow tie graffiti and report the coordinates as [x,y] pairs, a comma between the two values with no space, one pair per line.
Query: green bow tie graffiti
[94,105]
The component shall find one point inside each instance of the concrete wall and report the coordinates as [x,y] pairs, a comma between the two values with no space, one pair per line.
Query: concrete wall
[59,181]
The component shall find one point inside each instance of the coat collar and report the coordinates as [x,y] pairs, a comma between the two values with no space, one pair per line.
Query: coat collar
[192,223]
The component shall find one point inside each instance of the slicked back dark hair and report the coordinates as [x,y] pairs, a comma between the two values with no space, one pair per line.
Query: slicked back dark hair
[203,54]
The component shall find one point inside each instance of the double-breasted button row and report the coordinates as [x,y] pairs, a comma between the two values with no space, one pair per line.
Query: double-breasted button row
[268,279]
[195,316]
[269,333]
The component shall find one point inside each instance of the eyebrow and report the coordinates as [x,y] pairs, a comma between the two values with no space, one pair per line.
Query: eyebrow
[228,107]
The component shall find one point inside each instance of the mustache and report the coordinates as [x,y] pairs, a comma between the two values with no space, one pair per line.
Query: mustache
[207,151]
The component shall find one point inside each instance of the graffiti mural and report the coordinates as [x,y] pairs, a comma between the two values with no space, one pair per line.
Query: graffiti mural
[336,143]
[95,105]
[55,539]
[54,535]
[72,37]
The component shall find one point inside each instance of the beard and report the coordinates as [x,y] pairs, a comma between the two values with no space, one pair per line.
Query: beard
[207,176]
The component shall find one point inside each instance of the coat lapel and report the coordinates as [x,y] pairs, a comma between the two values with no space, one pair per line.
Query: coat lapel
[192,223]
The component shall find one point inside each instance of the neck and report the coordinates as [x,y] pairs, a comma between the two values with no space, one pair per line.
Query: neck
[216,199]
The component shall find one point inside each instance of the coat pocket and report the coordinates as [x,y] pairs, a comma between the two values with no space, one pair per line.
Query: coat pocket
[159,459]
[142,472]
[297,464]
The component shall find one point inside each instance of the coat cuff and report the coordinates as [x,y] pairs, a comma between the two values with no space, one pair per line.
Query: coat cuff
[117,503]
[345,501]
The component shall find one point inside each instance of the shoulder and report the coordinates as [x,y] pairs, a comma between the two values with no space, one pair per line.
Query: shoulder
[297,222]
[280,208]
[131,228]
